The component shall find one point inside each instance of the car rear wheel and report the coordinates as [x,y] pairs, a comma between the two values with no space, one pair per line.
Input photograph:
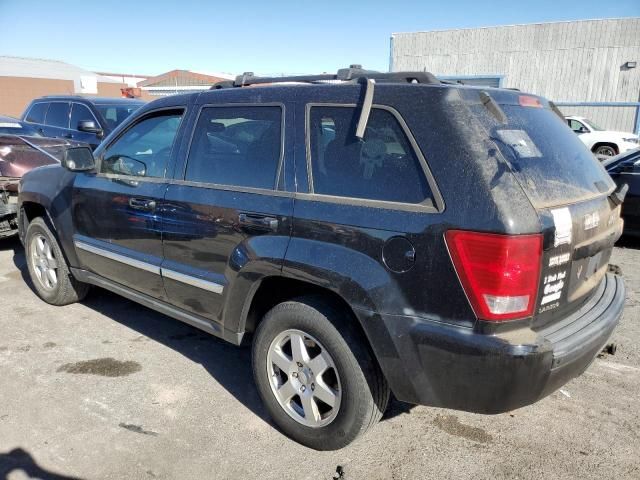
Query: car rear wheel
[605,150]
[316,375]
[48,269]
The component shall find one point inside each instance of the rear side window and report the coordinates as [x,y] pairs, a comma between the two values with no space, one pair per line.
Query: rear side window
[37,112]
[384,166]
[239,146]
[58,115]
[80,113]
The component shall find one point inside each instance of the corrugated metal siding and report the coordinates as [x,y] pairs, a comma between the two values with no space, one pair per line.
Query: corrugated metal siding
[566,61]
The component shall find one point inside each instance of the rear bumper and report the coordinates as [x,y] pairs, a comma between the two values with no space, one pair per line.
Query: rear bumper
[438,365]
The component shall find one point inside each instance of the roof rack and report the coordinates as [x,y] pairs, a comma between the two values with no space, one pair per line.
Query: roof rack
[353,73]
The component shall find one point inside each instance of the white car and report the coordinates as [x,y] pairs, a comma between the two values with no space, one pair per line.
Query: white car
[601,142]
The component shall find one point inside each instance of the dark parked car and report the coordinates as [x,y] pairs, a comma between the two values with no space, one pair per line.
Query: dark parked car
[83,119]
[382,232]
[19,153]
[625,170]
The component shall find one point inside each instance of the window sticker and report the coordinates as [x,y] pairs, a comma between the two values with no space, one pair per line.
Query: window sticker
[553,285]
[558,260]
[564,226]
[521,143]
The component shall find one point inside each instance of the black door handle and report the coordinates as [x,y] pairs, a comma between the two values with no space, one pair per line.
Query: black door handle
[142,204]
[68,135]
[258,221]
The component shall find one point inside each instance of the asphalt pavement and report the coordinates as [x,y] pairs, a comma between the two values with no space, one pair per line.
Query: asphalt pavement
[108,389]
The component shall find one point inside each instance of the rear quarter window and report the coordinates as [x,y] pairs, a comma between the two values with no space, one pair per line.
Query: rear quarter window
[37,112]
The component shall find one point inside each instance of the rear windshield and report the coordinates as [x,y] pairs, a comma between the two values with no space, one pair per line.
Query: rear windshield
[551,163]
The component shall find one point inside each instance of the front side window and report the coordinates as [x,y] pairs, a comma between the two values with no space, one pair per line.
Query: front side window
[383,166]
[239,146]
[577,126]
[58,115]
[80,113]
[37,112]
[143,150]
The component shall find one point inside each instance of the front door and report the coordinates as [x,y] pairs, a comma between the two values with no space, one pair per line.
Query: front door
[117,210]
[224,217]
[81,113]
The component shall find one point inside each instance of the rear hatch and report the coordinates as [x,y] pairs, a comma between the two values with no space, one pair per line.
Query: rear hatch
[568,188]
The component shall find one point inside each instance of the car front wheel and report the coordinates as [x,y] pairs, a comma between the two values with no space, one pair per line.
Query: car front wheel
[605,151]
[316,374]
[48,269]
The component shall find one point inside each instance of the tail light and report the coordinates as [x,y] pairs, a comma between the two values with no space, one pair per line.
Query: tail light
[527,101]
[499,273]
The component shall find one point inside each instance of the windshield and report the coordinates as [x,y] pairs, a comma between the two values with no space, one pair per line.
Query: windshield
[17,128]
[551,163]
[115,114]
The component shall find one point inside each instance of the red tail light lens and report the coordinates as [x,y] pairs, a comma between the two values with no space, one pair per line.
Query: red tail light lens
[499,273]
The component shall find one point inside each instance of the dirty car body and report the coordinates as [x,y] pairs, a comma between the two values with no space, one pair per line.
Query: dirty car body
[482,291]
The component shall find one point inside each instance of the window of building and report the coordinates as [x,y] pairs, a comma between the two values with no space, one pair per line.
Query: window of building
[383,166]
[58,115]
[239,146]
[143,150]
[37,112]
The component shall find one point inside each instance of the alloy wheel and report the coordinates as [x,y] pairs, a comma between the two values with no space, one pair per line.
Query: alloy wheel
[43,261]
[304,378]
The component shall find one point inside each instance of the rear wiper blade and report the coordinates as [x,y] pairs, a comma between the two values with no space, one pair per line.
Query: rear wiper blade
[366,107]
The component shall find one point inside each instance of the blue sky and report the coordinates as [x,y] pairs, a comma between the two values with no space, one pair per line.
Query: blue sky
[151,37]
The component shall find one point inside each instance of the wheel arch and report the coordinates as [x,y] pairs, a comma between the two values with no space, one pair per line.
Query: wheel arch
[613,145]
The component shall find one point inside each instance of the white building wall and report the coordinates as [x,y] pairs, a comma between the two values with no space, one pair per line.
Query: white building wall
[579,61]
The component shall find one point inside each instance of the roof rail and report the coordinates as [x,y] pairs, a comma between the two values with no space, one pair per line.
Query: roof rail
[353,73]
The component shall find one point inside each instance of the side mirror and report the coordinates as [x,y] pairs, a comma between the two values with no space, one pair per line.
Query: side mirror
[78,159]
[89,126]
[583,130]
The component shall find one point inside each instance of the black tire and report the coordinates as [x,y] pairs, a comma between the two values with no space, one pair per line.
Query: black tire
[605,150]
[364,390]
[66,289]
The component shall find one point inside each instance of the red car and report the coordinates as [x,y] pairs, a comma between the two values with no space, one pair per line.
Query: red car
[21,150]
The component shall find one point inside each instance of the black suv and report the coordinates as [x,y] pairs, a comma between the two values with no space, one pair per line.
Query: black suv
[84,119]
[369,232]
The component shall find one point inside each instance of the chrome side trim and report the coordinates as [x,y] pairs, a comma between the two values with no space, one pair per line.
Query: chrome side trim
[148,267]
[193,281]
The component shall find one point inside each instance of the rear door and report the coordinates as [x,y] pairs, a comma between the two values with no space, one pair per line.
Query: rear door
[117,211]
[225,215]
